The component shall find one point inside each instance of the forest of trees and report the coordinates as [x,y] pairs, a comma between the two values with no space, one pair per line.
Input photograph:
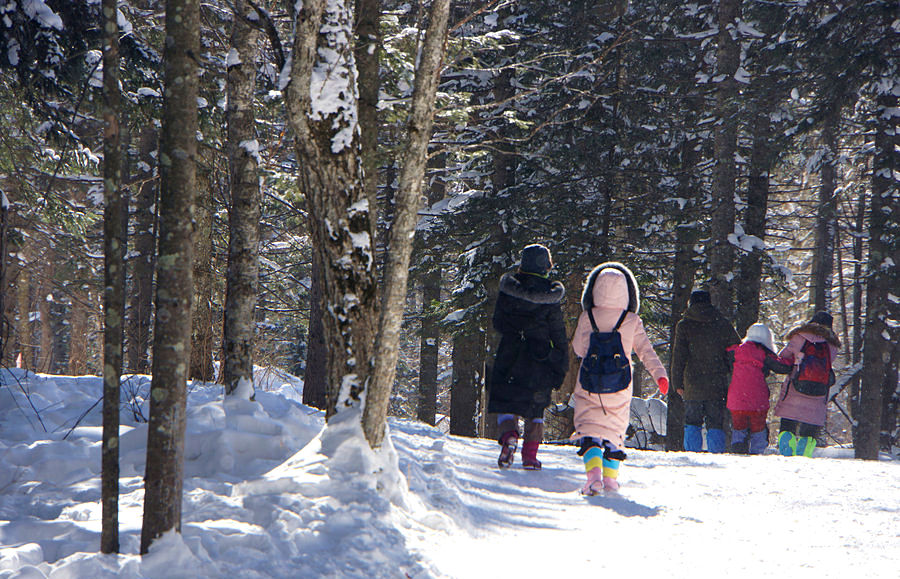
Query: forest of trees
[335,188]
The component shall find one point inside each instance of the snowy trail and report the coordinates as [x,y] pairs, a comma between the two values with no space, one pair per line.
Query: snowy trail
[679,514]
[270,494]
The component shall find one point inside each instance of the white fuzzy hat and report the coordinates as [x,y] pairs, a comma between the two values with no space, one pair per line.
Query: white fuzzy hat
[760,334]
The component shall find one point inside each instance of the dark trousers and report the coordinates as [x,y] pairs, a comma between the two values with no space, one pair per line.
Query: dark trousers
[798,428]
[710,411]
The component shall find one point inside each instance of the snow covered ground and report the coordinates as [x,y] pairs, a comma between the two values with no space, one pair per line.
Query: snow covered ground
[270,493]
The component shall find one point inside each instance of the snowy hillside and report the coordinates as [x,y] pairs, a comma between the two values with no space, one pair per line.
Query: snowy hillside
[269,493]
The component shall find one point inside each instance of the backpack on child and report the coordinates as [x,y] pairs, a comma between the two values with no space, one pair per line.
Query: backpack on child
[606,368]
[814,375]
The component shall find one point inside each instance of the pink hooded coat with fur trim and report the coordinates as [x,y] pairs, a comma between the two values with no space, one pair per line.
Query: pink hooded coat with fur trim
[792,404]
[611,288]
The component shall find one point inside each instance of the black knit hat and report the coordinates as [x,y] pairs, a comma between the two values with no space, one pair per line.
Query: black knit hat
[535,259]
[700,297]
[822,318]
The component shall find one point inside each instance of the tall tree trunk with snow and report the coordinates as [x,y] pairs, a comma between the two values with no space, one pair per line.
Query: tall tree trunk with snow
[163,481]
[244,213]
[144,260]
[202,335]
[321,105]
[115,224]
[721,252]
[406,208]
[826,217]
[882,309]
[751,261]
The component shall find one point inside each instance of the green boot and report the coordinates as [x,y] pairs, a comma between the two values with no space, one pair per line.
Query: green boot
[787,443]
[805,446]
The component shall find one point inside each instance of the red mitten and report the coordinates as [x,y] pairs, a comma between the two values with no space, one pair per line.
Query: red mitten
[663,384]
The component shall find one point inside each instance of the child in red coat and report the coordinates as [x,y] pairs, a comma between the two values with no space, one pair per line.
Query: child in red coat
[748,394]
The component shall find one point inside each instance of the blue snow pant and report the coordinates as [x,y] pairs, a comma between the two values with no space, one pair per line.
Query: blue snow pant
[698,412]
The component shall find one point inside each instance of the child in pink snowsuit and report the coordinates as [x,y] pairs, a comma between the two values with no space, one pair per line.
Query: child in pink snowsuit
[602,419]
[748,394]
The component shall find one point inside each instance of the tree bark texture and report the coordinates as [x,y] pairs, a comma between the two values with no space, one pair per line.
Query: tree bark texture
[466,390]
[115,225]
[721,252]
[163,481]
[144,261]
[406,213]
[244,213]
[341,223]
[202,335]
[315,375]
[751,262]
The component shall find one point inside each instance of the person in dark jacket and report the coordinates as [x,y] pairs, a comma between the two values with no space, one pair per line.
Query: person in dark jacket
[700,368]
[532,357]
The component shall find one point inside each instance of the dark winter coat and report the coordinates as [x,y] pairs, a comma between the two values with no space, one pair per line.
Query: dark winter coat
[793,404]
[532,357]
[749,391]
[700,363]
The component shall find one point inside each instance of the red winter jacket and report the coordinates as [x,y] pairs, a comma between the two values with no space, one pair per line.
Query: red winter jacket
[748,391]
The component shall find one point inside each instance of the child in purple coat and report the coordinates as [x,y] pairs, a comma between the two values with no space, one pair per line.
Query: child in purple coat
[748,394]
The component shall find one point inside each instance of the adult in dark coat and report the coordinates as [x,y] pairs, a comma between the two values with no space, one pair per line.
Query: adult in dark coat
[700,368]
[532,356]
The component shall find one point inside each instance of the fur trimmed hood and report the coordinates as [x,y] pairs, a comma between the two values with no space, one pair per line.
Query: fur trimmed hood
[815,329]
[629,293]
[511,285]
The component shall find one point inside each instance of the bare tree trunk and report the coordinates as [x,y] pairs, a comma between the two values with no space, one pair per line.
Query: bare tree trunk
[340,216]
[430,340]
[858,241]
[316,374]
[466,390]
[751,262]
[721,252]
[244,213]
[115,226]
[202,335]
[145,224]
[826,219]
[406,206]
[164,479]
[882,314]
[78,332]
